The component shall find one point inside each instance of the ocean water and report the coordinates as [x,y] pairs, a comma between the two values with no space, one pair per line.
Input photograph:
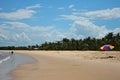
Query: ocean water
[9,62]
[4,57]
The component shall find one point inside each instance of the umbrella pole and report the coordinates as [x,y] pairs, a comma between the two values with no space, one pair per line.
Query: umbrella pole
[106,54]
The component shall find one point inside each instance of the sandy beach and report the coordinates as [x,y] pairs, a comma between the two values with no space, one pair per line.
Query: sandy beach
[70,65]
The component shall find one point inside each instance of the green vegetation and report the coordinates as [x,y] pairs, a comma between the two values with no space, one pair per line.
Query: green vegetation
[72,44]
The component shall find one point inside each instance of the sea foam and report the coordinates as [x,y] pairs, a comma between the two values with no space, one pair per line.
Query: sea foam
[5,59]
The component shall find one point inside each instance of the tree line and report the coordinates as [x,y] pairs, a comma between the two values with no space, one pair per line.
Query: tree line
[72,44]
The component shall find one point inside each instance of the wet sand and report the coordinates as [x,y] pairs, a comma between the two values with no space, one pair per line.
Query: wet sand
[70,65]
[9,62]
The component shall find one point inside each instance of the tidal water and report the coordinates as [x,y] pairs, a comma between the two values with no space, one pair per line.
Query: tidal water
[9,62]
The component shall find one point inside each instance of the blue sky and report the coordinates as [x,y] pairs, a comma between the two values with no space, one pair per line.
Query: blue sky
[27,22]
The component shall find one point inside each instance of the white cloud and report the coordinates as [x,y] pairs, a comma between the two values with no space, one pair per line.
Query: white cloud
[1,8]
[13,37]
[56,35]
[104,14]
[71,6]
[19,14]
[33,7]
[18,26]
[69,17]
[21,38]
[18,33]
[87,28]
[116,30]
[2,36]
[83,27]
[26,27]
[31,34]
[74,9]
[22,33]
[2,29]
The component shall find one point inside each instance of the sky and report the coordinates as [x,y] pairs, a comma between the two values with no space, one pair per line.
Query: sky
[30,22]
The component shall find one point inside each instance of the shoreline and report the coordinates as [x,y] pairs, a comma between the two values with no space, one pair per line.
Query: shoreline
[7,66]
[69,65]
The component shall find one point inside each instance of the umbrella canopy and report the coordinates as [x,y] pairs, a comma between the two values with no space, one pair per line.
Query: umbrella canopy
[107,47]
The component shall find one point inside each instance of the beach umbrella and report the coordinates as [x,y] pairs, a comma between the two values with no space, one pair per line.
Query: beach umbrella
[107,47]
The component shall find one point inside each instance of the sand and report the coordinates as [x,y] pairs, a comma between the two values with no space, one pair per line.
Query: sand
[70,65]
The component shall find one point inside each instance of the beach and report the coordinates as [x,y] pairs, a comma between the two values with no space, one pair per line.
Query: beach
[69,65]
[9,62]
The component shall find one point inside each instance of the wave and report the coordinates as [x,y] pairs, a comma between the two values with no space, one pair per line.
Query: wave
[4,59]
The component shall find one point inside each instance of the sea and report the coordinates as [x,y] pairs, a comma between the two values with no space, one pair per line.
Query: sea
[9,62]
